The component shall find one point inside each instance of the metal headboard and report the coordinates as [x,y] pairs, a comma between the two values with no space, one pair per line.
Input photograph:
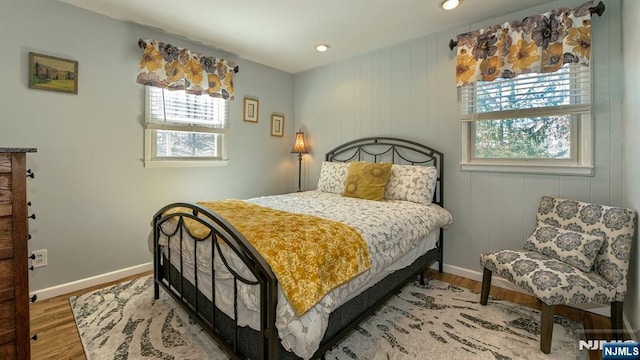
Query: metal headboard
[394,150]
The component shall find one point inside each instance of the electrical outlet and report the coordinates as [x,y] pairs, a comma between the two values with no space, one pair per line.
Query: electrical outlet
[40,258]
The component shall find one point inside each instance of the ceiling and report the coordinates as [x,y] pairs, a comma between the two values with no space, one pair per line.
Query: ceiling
[283,33]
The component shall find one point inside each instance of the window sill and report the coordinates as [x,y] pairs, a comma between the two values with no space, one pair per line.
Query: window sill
[184,163]
[528,168]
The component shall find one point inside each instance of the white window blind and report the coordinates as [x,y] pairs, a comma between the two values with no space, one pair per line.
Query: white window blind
[173,110]
[564,92]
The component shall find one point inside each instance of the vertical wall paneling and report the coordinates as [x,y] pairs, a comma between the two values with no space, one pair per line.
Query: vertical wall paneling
[481,219]
[416,98]
[364,97]
[575,187]
[513,190]
[358,119]
[494,208]
[375,94]
[444,135]
[401,89]
[430,84]
[604,142]
[337,117]
[631,148]
[418,81]
[345,81]
[385,74]
[616,81]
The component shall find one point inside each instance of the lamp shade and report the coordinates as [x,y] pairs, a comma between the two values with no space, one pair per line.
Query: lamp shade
[298,146]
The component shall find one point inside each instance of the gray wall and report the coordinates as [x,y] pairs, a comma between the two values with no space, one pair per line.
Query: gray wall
[92,196]
[631,129]
[408,90]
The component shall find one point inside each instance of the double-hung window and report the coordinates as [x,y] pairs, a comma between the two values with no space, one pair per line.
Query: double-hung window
[534,123]
[183,129]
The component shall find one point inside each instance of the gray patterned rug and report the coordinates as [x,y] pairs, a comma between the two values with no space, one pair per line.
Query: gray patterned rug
[435,321]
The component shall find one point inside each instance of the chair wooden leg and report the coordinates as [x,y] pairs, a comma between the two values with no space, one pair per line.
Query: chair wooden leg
[617,325]
[546,327]
[486,286]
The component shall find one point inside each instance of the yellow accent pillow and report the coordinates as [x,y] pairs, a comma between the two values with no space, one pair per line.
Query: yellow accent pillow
[367,180]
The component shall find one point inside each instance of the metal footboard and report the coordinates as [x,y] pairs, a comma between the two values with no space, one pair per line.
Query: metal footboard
[174,228]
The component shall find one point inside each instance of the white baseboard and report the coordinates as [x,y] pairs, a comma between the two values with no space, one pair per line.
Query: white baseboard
[91,281]
[600,309]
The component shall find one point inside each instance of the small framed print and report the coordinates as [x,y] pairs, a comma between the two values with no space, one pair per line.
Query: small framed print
[250,110]
[53,73]
[277,125]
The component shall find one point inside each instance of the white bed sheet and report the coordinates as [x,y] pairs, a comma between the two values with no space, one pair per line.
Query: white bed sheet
[392,247]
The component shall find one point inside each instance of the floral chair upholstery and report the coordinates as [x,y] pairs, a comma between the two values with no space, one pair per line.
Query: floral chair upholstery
[579,253]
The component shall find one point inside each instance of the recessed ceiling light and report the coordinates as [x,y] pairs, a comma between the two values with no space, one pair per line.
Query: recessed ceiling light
[450,4]
[322,47]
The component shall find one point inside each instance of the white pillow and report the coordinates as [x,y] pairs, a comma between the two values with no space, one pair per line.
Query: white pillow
[333,176]
[412,183]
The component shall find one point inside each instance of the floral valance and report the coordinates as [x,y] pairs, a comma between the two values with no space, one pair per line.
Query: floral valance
[540,43]
[167,66]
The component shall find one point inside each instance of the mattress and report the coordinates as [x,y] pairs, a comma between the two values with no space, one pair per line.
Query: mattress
[397,233]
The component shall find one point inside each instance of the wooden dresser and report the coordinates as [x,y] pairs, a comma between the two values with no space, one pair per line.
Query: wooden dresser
[15,339]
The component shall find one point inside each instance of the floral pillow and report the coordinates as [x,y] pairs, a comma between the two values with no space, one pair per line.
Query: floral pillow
[333,175]
[412,183]
[572,247]
[367,180]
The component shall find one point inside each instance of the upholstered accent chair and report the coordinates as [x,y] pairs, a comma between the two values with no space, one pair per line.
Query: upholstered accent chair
[578,253]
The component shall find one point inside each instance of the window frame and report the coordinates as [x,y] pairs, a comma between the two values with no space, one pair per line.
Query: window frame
[580,163]
[153,124]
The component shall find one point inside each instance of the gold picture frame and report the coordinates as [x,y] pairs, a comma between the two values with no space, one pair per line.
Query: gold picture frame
[277,125]
[250,110]
[53,73]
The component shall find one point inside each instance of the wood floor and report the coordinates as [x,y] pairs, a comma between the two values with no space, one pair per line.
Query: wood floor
[58,338]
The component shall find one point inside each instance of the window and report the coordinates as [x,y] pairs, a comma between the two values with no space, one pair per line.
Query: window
[534,123]
[183,129]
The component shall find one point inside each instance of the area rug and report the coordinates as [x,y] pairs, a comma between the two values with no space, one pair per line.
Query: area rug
[124,322]
[434,321]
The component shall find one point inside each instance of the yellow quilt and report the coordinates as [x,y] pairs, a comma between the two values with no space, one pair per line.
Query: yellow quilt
[309,255]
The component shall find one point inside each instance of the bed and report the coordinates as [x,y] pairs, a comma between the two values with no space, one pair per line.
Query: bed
[232,289]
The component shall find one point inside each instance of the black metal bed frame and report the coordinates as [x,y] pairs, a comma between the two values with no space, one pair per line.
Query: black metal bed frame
[243,342]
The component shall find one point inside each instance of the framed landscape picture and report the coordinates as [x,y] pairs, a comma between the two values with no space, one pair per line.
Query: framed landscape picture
[53,73]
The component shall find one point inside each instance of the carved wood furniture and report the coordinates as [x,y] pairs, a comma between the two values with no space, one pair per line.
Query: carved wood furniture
[14,280]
